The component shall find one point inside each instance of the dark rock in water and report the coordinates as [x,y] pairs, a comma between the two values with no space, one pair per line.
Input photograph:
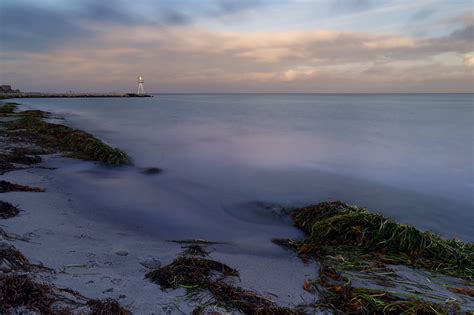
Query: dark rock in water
[8,210]
[152,170]
[151,263]
[122,253]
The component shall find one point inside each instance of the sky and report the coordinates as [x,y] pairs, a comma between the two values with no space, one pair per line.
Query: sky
[227,46]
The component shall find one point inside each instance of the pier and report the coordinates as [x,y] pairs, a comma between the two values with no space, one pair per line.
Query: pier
[66,95]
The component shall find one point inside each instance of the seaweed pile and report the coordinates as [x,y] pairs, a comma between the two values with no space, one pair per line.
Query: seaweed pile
[348,238]
[9,187]
[107,307]
[210,283]
[20,290]
[22,293]
[7,210]
[30,125]
[340,296]
[338,226]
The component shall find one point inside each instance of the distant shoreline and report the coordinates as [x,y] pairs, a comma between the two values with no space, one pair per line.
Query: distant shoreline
[68,95]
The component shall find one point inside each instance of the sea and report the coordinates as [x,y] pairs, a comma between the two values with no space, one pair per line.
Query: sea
[233,163]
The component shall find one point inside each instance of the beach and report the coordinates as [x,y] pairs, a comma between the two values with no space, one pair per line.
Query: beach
[100,243]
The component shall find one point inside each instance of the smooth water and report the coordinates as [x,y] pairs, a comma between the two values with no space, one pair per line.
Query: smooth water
[410,157]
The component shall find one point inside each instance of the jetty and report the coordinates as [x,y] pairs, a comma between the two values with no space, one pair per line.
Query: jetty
[70,95]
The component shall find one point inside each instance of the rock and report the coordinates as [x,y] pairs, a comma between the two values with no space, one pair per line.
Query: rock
[151,263]
[122,253]
[152,170]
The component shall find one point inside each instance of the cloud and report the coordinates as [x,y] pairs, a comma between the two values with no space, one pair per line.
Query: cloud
[29,27]
[96,46]
[469,59]
[345,6]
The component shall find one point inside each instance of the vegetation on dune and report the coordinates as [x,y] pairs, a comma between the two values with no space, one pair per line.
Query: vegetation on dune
[213,279]
[333,226]
[73,142]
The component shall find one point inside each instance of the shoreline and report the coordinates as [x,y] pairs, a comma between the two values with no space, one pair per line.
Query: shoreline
[103,261]
[125,272]
[4,96]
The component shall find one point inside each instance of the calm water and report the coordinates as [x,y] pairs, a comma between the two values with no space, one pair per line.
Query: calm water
[408,156]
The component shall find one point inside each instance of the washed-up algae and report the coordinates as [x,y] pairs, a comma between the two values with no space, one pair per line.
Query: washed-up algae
[7,108]
[7,210]
[12,260]
[336,226]
[9,187]
[73,142]
[343,237]
[199,275]
[20,291]
[107,307]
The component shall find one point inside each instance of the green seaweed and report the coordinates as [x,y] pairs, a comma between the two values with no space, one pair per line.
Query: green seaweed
[74,143]
[199,274]
[338,227]
[339,295]
[7,108]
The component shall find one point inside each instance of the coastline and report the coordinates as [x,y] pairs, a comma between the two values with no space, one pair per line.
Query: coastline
[4,96]
[90,250]
[102,261]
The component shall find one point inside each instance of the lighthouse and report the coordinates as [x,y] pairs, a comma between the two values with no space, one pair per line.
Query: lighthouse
[141,90]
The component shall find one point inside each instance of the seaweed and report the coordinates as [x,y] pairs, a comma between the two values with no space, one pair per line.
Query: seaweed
[74,143]
[189,272]
[107,307]
[34,113]
[199,275]
[20,290]
[12,259]
[9,187]
[5,165]
[464,291]
[7,210]
[7,108]
[340,296]
[336,226]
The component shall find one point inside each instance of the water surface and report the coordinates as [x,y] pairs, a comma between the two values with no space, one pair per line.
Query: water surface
[407,156]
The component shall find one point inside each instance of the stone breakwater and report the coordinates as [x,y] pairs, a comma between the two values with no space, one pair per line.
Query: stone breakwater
[68,95]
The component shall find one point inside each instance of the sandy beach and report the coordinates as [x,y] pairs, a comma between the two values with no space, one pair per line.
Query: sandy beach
[100,260]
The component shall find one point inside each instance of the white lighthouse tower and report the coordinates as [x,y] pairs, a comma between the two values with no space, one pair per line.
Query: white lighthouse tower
[141,90]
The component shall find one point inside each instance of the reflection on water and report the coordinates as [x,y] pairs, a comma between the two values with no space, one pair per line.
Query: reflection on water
[409,156]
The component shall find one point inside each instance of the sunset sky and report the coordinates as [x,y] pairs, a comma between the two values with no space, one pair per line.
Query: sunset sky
[238,46]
